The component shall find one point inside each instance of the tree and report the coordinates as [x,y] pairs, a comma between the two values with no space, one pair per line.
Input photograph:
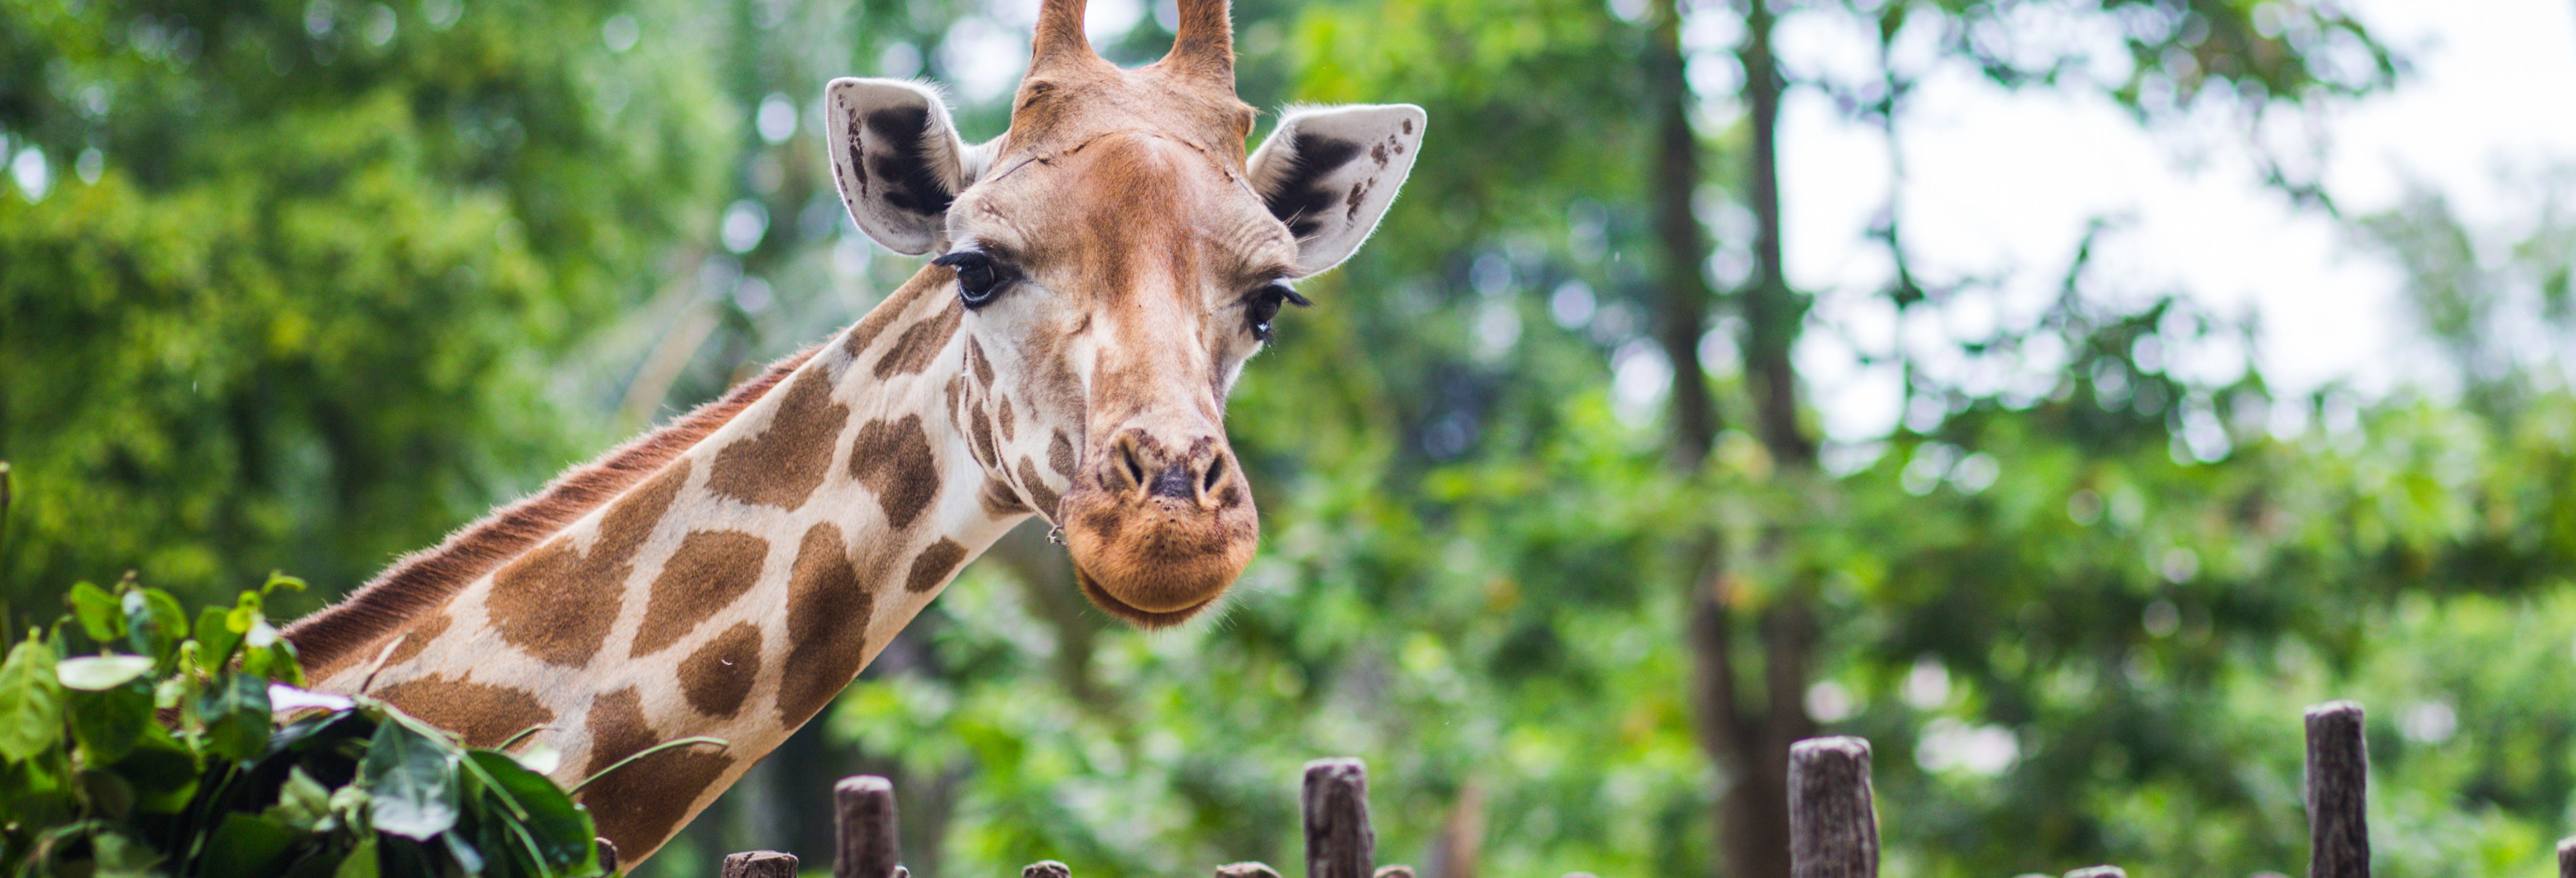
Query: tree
[285,278]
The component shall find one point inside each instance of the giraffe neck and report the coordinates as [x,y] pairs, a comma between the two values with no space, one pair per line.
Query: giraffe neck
[731,593]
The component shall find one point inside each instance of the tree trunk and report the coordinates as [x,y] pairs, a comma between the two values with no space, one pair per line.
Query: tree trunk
[1681,314]
[1772,312]
[1746,734]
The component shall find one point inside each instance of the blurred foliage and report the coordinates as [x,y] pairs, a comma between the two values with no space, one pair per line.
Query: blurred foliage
[2077,599]
[299,268]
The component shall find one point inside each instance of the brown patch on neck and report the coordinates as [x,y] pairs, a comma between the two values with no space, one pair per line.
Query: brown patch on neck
[710,571]
[558,603]
[917,346]
[935,565]
[784,463]
[979,430]
[638,806]
[1060,455]
[349,631]
[483,715]
[828,611]
[718,675]
[894,460]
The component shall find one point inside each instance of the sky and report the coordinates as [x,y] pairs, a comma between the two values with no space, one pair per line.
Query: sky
[2002,184]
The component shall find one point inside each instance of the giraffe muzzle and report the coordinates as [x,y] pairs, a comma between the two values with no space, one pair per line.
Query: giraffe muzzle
[1159,529]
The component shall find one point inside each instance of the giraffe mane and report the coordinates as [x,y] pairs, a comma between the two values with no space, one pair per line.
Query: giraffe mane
[424,581]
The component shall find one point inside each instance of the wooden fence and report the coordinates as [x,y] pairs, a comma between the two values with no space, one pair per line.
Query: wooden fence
[1833,823]
[1833,831]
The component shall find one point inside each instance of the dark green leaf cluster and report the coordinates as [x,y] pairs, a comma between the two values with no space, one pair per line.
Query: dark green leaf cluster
[133,744]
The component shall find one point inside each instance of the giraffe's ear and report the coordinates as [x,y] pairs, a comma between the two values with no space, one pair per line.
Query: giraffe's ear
[897,158]
[1330,172]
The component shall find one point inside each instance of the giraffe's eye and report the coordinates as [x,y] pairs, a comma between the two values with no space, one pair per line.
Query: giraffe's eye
[1263,306]
[980,280]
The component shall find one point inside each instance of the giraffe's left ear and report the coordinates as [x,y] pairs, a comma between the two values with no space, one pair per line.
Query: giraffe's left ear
[1330,172]
[897,158]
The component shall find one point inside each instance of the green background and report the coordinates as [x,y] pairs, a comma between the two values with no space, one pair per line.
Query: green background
[311,283]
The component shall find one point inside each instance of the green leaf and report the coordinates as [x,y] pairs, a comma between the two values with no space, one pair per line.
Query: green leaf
[119,857]
[99,673]
[215,639]
[246,613]
[302,803]
[105,793]
[236,714]
[556,832]
[412,778]
[164,772]
[246,847]
[154,622]
[291,668]
[34,794]
[361,862]
[108,722]
[31,701]
[278,580]
[97,612]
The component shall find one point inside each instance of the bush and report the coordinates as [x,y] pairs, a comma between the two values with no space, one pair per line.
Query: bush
[152,748]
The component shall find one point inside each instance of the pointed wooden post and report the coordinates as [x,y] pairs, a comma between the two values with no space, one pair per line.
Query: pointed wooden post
[864,839]
[607,856]
[2099,872]
[2338,791]
[1339,843]
[760,864]
[1246,870]
[2567,857]
[1046,869]
[1833,830]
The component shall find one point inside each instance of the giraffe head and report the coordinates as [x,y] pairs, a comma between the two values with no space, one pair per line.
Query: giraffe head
[1118,256]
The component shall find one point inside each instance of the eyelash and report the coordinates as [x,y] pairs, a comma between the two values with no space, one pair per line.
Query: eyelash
[1262,307]
[980,279]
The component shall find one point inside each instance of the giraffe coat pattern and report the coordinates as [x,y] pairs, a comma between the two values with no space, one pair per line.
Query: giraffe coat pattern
[1112,261]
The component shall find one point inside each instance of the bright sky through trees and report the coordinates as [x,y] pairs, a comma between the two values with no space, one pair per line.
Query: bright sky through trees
[2003,182]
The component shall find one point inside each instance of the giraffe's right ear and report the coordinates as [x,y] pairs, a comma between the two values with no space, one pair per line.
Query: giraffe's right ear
[897,158]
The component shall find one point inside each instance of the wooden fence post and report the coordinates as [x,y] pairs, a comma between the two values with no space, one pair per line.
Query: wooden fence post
[1339,843]
[1046,869]
[1246,870]
[607,857]
[864,828]
[1833,831]
[759,864]
[2338,790]
[2099,872]
[2567,857]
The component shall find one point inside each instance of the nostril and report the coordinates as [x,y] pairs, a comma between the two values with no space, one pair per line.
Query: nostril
[1135,470]
[1173,482]
[1215,471]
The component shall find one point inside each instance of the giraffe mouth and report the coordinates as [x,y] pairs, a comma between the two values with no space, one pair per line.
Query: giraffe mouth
[1133,615]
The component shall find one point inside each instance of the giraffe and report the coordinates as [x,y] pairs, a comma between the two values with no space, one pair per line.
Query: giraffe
[1104,268]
